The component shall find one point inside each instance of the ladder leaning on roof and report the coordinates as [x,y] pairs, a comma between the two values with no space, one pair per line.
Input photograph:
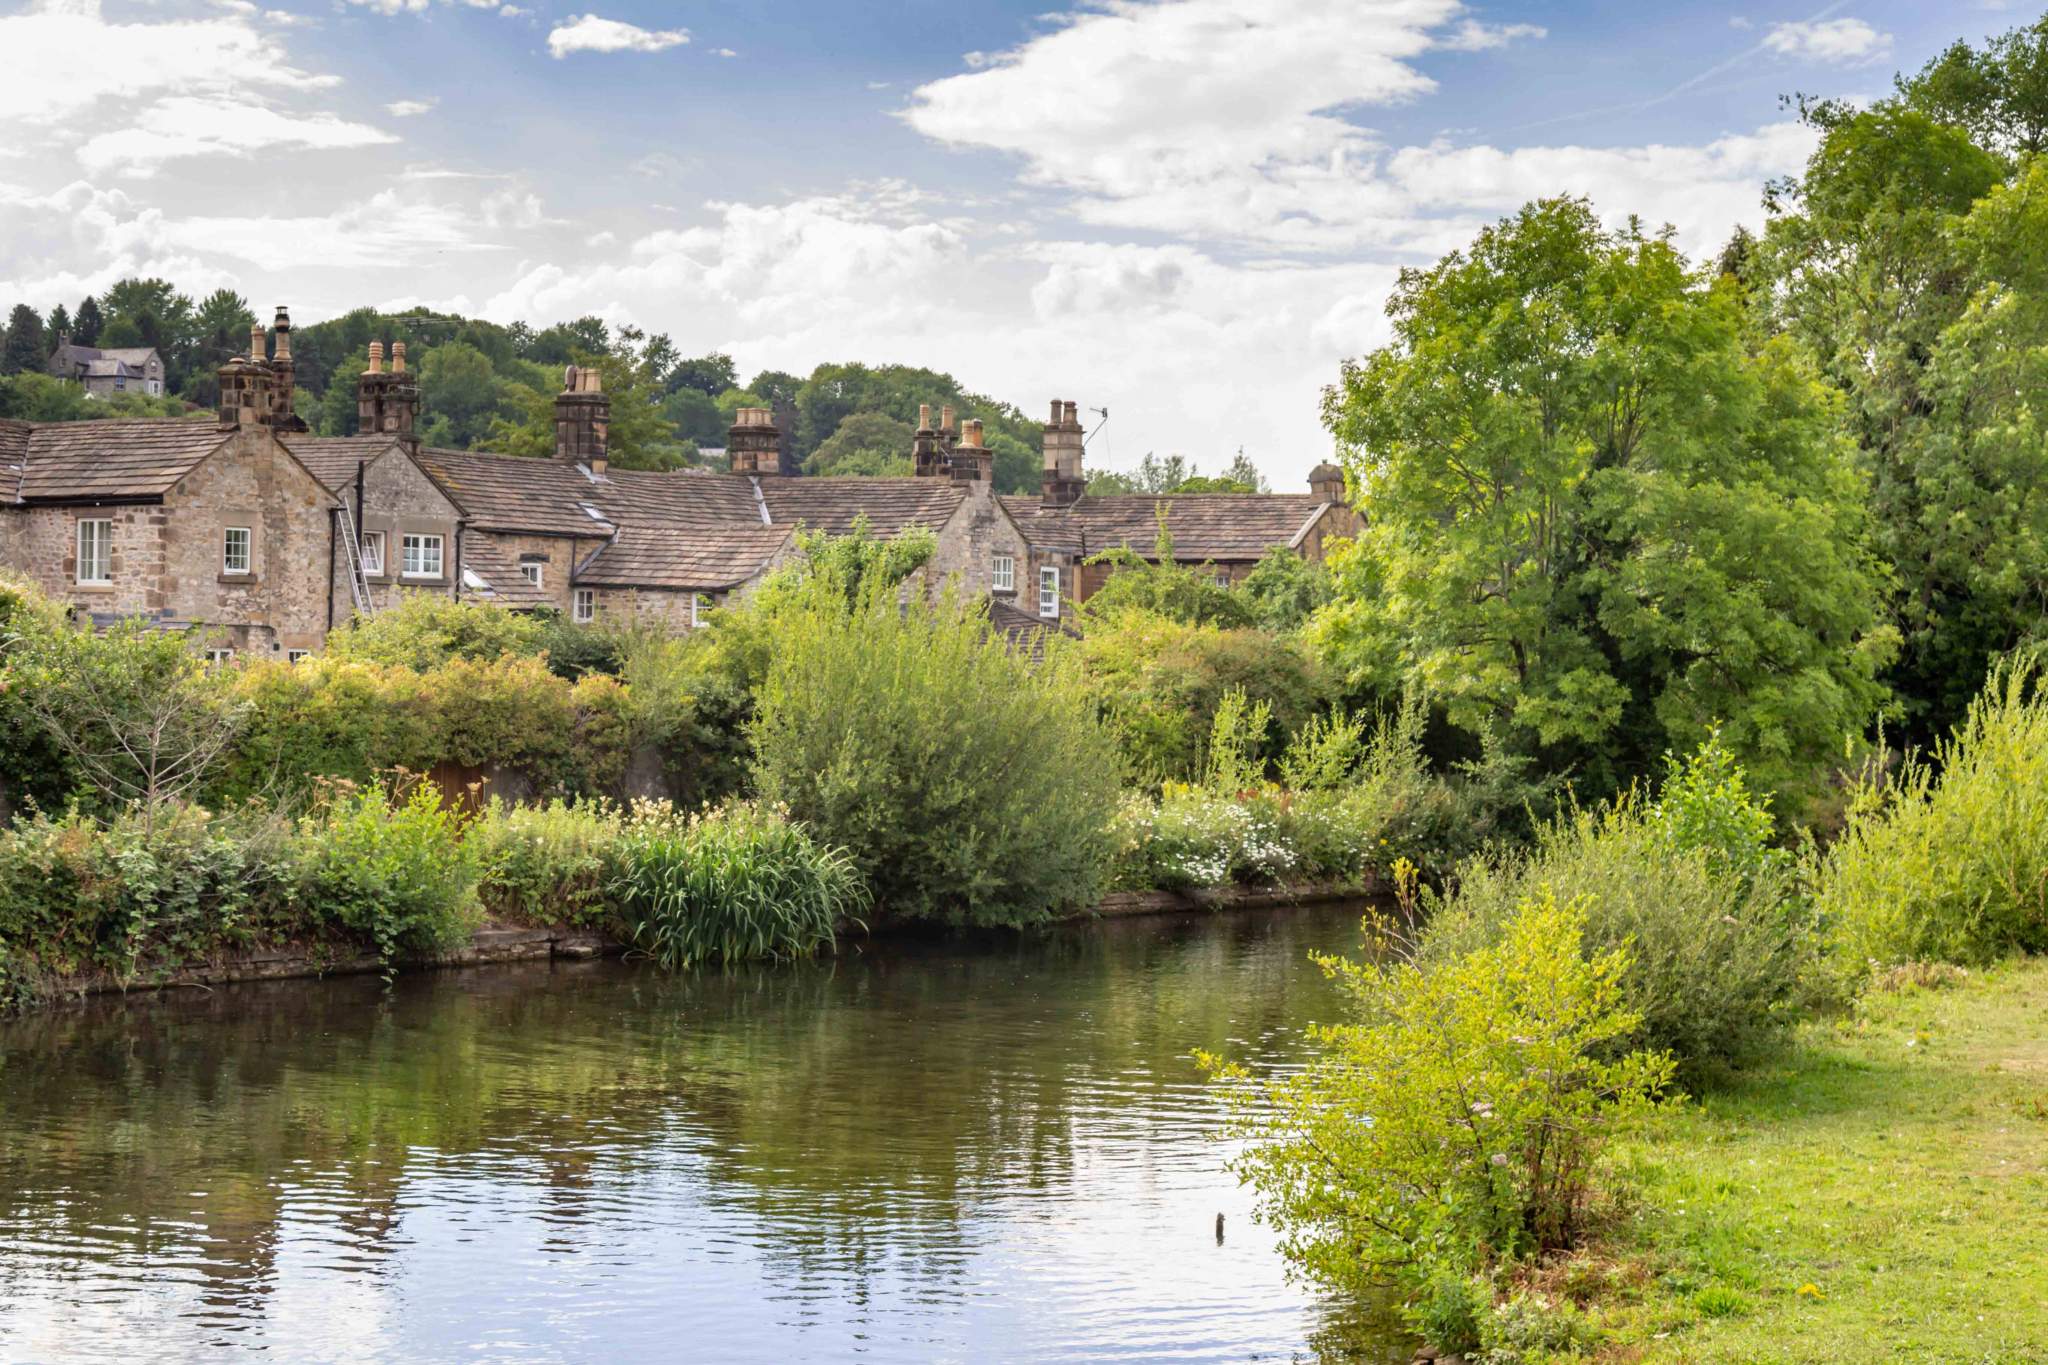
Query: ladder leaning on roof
[352,548]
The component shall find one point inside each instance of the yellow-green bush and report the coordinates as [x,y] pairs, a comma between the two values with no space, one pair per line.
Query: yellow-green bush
[1949,861]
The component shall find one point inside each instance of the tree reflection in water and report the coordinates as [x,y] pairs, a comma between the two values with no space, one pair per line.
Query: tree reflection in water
[925,1150]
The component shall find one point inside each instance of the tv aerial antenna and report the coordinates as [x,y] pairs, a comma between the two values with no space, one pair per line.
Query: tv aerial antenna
[1103,413]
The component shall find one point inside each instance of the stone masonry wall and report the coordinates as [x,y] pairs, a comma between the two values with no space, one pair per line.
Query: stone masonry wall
[42,545]
[397,497]
[281,603]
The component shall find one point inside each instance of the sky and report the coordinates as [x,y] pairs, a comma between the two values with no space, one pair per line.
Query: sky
[1185,213]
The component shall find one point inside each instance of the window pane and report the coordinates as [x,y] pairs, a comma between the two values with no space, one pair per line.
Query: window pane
[235,550]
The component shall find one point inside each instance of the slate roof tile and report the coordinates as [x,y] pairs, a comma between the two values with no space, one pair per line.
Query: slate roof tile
[84,461]
[684,559]
[1223,527]
[510,493]
[333,459]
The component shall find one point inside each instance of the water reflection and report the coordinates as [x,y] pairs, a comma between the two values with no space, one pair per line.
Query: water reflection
[996,1152]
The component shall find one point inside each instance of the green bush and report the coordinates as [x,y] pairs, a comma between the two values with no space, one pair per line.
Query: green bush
[1722,952]
[729,885]
[971,785]
[548,864]
[1158,682]
[395,872]
[1949,862]
[339,718]
[123,897]
[34,769]
[425,629]
[1458,1122]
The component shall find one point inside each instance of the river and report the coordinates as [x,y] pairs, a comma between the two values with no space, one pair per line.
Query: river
[993,1151]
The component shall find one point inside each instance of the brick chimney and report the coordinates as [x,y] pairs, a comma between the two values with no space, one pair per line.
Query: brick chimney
[1326,482]
[1063,481]
[927,449]
[387,401]
[283,393]
[583,416]
[971,460]
[753,443]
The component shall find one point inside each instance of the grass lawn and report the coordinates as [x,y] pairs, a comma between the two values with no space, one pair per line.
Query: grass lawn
[1882,1194]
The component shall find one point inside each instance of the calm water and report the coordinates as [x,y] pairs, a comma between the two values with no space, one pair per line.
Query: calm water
[982,1153]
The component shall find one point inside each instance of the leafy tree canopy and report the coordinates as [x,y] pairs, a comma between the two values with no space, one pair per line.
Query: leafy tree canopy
[1601,517]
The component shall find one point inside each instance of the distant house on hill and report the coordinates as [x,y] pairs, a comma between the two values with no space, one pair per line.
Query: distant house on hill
[106,371]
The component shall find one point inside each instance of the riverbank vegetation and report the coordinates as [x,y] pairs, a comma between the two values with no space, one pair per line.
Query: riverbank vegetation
[1780,516]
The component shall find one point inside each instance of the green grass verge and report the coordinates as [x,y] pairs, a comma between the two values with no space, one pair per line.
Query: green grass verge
[1882,1194]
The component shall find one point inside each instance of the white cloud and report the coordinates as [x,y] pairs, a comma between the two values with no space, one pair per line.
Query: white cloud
[1209,118]
[723,52]
[1845,42]
[193,126]
[64,59]
[410,108]
[589,33]
[1472,36]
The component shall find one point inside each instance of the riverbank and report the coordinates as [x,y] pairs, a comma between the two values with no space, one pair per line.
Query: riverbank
[495,943]
[1879,1194]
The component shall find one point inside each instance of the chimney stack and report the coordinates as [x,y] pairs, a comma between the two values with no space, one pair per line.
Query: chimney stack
[387,401]
[1063,482]
[971,460]
[283,390]
[753,443]
[927,450]
[245,394]
[1326,482]
[582,417]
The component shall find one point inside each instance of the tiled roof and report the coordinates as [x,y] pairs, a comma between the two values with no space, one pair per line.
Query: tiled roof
[665,557]
[488,572]
[333,459]
[13,450]
[1204,526]
[510,493]
[891,505]
[1022,631]
[82,461]
[684,499]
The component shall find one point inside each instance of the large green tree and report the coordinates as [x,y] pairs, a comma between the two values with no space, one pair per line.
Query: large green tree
[1907,259]
[1602,518]
[21,347]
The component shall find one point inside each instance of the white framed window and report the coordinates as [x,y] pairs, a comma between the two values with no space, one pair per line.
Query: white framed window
[234,550]
[699,604]
[1004,576]
[292,656]
[220,656]
[95,551]
[1049,591]
[373,554]
[421,556]
[583,605]
[531,572]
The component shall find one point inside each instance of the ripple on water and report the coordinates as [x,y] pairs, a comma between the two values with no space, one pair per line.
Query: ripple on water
[991,1152]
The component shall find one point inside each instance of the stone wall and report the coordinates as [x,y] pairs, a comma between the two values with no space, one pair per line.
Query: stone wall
[42,545]
[968,544]
[397,497]
[281,603]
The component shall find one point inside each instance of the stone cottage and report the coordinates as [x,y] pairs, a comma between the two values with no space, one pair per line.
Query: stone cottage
[105,371]
[252,525]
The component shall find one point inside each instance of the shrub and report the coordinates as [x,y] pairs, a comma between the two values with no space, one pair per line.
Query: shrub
[33,766]
[971,785]
[425,629]
[1950,862]
[1721,952]
[123,897]
[1458,1122]
[339,718]
[396,872]
[547,864]
[1158,682]
[737,883]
